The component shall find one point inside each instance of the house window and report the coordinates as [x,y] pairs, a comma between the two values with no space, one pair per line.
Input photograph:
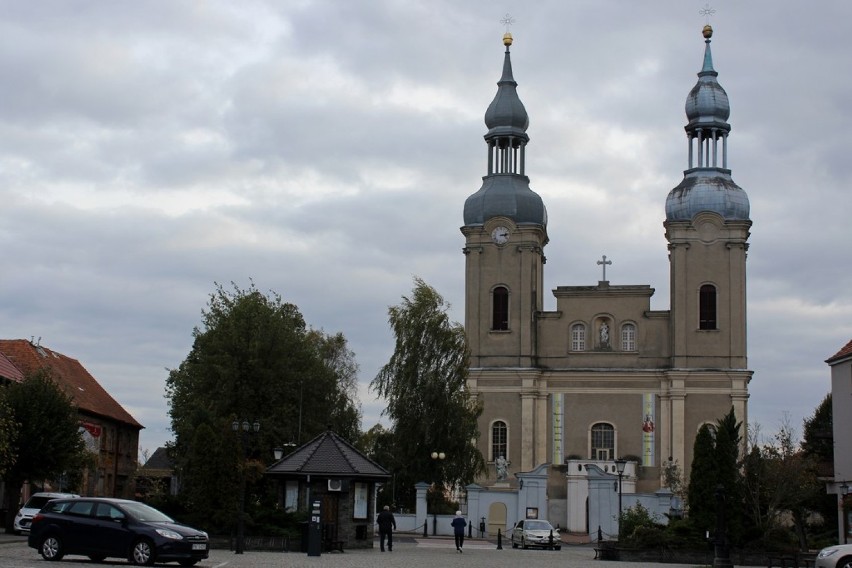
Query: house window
[628,337]
[499,440]
[578,337]
[603,441]
[500,311]
[707,307]
[291,496]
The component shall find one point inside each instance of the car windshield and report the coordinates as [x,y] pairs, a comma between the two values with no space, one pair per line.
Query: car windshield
[537,526]
[144,513]
[37,502]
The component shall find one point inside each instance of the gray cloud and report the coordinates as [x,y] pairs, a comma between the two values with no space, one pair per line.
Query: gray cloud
[325,149]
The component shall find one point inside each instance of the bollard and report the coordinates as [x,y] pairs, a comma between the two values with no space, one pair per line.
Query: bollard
[499,540]
[470,530]
[550,539]
[426,529]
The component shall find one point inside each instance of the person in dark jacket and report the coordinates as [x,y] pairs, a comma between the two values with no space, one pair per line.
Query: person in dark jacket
[387,524]
[458,530]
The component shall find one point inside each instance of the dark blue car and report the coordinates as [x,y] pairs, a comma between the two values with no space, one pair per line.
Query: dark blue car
[114,528]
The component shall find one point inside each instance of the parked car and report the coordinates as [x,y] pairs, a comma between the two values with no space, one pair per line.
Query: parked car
[838,556]
[115,528]
[535,532]
[33,506]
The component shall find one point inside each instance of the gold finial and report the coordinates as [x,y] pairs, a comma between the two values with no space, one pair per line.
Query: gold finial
[507,39]
[707,32]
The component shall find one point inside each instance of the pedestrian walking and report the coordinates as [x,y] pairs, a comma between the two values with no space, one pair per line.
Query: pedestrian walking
[458,530]
[387,524]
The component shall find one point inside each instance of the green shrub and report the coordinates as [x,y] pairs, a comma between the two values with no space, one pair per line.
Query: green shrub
[635,517]
[648,537]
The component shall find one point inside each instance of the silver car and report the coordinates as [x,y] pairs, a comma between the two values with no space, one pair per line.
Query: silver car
[535,532]
[838,556]
[33,506]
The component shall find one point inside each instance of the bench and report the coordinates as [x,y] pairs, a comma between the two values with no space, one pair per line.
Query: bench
[606,550]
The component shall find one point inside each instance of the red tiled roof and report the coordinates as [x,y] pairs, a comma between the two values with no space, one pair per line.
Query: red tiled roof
[845,352]
[9,371]
[84,390]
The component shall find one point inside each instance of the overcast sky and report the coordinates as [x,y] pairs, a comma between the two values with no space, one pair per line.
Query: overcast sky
[324,149]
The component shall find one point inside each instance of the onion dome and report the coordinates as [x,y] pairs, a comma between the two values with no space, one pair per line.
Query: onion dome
[505,189]
[707,186]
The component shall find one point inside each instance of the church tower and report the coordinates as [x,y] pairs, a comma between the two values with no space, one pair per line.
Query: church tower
[602,381]
[707,228]
[505,229]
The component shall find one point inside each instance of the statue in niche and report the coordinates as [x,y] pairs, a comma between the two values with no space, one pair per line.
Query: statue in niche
[502,465]
[604,335]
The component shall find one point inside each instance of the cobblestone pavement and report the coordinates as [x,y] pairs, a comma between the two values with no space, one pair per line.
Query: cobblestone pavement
[408,552]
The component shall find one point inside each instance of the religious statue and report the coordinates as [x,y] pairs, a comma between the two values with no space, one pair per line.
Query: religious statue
[604,334]
[502,465]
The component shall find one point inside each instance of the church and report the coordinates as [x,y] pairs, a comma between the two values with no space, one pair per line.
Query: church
[602,377]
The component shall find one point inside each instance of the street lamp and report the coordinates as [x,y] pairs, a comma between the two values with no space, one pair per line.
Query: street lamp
[844,491]
[278,452]
[437,457]
[243,428]
[620,464]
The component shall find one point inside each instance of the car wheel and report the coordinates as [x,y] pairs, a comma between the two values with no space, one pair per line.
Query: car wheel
[188,562]
[51,548]
[96,557]
[845,562]
[557,547]
[142,553]
[514,544]
[523,543]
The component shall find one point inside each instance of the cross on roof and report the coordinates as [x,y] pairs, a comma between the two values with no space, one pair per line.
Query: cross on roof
[707,11]
[507,21]
[603,263]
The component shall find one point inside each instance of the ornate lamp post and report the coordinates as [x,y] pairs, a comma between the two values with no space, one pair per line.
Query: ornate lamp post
[844,491]
[244,429]
[620,464]
[437,457]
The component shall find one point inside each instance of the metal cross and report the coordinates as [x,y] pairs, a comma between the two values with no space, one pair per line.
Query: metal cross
[707,11]
[604,262]
[507,21]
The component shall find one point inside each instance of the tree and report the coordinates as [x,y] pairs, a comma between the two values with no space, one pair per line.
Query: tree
[818,447]
[48,440]
[715,463]
[8,433]
[253,358]
[429,402]
[702,482]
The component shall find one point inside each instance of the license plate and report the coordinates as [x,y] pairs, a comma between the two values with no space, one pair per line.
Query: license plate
[199,547]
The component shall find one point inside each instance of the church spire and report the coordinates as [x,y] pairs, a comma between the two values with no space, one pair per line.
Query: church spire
[505,189]
[507,122]
[707,184]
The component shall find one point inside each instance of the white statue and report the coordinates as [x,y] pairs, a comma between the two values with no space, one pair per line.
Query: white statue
[502,466]
[604,334]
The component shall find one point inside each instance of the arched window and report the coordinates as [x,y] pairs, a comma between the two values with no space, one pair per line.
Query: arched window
[578,337]
[500,309]
[628,337]
[603,441]
[707,307]
[499,440]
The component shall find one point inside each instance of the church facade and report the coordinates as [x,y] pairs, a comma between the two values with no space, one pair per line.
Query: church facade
[603,376]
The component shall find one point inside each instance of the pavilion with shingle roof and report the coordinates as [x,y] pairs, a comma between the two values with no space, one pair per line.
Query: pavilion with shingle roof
[332,471]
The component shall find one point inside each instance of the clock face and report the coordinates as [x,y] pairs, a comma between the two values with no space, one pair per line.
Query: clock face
[500,235]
